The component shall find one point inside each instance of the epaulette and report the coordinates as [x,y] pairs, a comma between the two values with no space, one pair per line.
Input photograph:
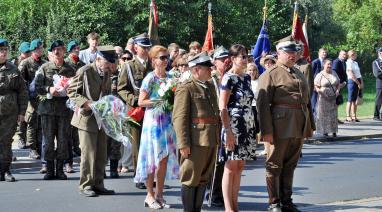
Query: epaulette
[272,68]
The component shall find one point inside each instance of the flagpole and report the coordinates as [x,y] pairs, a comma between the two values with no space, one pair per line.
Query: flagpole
[265,11]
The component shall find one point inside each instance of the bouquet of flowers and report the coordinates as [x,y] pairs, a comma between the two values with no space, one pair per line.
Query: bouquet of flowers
[110,114]
[61,83]
[166,93]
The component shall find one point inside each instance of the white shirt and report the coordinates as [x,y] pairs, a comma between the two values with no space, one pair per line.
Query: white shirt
[254,84]
[353,66]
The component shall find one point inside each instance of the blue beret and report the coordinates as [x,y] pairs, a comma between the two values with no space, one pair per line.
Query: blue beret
[55,44]
[71,45]
[24,47]
[3,42]
[142,40]
[34,44]
[379,50]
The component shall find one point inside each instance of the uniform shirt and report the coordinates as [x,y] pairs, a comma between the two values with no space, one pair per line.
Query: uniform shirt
[353,65]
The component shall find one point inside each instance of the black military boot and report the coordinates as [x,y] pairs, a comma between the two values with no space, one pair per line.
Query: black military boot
[113,169]
[60,170]
[49,170]
[273,187]
[7,173]
[199,196]
[188,198]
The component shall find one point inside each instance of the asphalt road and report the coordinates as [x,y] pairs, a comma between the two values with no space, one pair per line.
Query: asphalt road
[326,173]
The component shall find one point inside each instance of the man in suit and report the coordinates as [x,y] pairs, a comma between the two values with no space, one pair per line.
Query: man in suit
[90,84]
[339,66]
[285,120]
[129,82]
[317,66]
[196,124]
[377,71]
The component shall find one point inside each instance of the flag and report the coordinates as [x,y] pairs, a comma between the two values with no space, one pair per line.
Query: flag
[305,29]
[262,47]
[153,24]
[298,34]
[209,40]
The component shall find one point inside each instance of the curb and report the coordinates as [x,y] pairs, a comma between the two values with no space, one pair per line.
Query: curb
[358,205]
[341,138]
[26,162]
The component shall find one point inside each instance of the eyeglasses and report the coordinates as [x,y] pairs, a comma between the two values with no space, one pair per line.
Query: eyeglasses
[125,58]
[163,57]
[3,49]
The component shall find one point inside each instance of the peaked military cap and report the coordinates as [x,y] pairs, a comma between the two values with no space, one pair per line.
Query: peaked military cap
[71,45]
[34,44]
[56,44]
[107,52]
[143,40]
[201,59]
[220,52]
[3,42]
[288,44]
[24,47]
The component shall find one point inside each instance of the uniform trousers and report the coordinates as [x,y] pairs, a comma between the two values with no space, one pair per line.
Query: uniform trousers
[33,137]
[55,128]
[8,124]
[378,103]
[280,165]
[93,159]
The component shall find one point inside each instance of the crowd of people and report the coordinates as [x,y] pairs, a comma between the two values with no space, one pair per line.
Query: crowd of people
[222,105]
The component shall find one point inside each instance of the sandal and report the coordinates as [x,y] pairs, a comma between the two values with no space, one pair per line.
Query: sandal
[163,203]
[355,119]
[348,119]
[153,205]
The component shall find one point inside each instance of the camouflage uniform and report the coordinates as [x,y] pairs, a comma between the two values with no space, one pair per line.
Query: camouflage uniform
[55,116]
[28,68]
[13,102]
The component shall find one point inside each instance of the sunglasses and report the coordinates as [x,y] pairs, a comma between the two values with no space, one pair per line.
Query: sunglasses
[125,58]
[244,57]
[163,57]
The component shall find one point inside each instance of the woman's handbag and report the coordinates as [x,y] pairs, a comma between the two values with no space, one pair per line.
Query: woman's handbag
[359,100]
[339,99]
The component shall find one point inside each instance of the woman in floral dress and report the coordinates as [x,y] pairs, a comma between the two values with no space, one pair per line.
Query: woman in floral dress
[157,151]
[239,134]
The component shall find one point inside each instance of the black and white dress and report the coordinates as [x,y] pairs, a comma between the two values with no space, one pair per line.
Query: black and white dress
[242,119]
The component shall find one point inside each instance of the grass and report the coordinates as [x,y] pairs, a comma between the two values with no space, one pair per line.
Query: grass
[366,110]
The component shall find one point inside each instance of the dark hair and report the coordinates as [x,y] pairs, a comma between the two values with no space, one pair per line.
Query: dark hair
[237,49]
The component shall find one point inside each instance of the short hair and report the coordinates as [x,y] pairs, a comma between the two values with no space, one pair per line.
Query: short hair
[237,49]
[322,49]
[154,51]
[179,61]
[172,46]
[93,35]
[351,52]
[194,44]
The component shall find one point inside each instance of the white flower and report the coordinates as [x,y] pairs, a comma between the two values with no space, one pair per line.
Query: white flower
[161,92]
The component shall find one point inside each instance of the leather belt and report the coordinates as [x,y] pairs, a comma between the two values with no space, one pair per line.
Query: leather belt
[205,120]
[288,106]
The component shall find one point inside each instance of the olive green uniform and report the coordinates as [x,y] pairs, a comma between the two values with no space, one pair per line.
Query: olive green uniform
[128,89]
[13,102]
[284,111]
[305,67]
[88,85]
[28,69]
[197,126]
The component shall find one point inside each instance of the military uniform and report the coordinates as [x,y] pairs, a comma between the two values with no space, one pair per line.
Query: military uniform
[284,112]
[28,69]
[13,102]
[305,67]
[197,125]
[55,116]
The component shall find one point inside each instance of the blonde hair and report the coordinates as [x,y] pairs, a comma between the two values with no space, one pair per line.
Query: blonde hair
[351,52]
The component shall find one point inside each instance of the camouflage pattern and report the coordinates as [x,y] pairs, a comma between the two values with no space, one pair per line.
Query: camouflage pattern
[75,65]
[13,102]
[55,116]
[28,68]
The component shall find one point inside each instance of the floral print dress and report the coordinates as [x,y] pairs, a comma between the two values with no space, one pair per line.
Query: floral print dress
[158,136]
[241,118]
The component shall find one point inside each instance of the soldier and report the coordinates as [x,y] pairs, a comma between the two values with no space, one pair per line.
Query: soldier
[129,82]
[222,63]
[196,124]
[285,120]
[305,67]
[28,68]
[13,104]
[19,136]
[91,83]
[377,72]
[88,55]
[55,116]
[74,144]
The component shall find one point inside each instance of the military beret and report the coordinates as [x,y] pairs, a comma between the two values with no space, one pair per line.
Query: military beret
[3,42]
[34,44]
[24,47]
[379,50]
[267,57]
[288,44]
[107,52]
[201,59]
[56,44]
[143,40]
[220,52]
[71,45]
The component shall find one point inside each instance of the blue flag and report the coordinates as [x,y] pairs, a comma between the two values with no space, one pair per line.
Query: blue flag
[262,47]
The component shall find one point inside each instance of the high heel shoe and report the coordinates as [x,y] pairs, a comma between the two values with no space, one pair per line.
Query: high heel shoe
[163,203]
[153,205]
